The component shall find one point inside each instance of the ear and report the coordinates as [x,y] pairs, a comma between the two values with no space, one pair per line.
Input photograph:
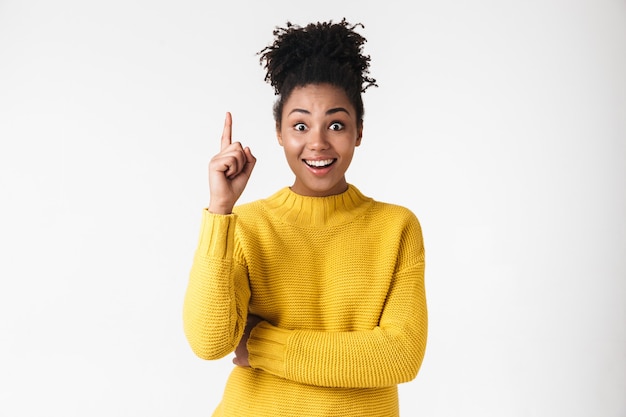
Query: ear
[359,134]
[279,136]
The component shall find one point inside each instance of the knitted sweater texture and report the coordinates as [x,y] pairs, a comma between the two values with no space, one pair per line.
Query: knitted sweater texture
[339,283]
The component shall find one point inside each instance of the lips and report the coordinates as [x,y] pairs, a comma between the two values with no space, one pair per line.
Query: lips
[319,163]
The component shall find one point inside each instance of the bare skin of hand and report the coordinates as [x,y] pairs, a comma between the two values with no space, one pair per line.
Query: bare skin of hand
[241,352]
[229,171]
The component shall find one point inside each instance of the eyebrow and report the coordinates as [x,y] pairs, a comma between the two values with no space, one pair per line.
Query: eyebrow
[328,112]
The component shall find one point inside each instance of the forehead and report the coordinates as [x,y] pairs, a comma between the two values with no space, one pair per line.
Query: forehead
[318,97]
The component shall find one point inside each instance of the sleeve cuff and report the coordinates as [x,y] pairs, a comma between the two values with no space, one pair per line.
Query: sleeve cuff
[267,347]
[217,235]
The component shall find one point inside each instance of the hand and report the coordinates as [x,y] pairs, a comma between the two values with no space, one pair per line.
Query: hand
[229,172]
[241,352]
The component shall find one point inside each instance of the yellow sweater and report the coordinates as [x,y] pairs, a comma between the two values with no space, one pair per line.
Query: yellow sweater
[338,280]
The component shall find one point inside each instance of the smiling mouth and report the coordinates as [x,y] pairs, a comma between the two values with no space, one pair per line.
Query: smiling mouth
[323,163]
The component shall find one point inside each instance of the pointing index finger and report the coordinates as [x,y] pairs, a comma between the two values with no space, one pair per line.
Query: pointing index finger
[227,132]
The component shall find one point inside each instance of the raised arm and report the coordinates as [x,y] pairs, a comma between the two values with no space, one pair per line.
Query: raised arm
[216,301]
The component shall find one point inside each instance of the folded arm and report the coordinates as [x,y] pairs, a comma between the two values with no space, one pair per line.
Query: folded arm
[388,354]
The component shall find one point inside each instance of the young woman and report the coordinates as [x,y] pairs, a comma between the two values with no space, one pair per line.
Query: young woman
[318,289]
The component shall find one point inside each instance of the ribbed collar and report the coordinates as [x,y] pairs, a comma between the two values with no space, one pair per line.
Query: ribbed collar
[316,212]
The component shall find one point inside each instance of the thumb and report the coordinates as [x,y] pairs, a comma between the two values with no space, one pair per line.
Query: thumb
[250,161]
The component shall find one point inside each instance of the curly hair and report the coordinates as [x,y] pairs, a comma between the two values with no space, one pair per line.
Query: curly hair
[323,52]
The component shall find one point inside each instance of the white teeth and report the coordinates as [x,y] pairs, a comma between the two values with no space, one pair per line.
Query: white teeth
[319,164]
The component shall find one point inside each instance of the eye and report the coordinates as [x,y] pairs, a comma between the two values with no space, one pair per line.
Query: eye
[300,127]
[336,126]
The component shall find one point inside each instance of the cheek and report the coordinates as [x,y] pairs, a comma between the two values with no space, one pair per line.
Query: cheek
[292,151]
[348,150]
[291,146]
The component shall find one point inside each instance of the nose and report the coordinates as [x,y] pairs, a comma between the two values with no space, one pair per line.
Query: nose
[317,140]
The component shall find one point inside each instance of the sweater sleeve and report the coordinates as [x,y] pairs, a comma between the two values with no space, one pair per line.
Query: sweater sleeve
[388,354]
[217,296]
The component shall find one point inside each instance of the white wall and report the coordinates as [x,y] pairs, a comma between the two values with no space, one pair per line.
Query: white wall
[501,124]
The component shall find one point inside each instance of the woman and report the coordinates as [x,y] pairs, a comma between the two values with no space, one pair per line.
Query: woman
[318,289]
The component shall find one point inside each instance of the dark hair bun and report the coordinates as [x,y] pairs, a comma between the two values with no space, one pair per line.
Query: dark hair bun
[319,52]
